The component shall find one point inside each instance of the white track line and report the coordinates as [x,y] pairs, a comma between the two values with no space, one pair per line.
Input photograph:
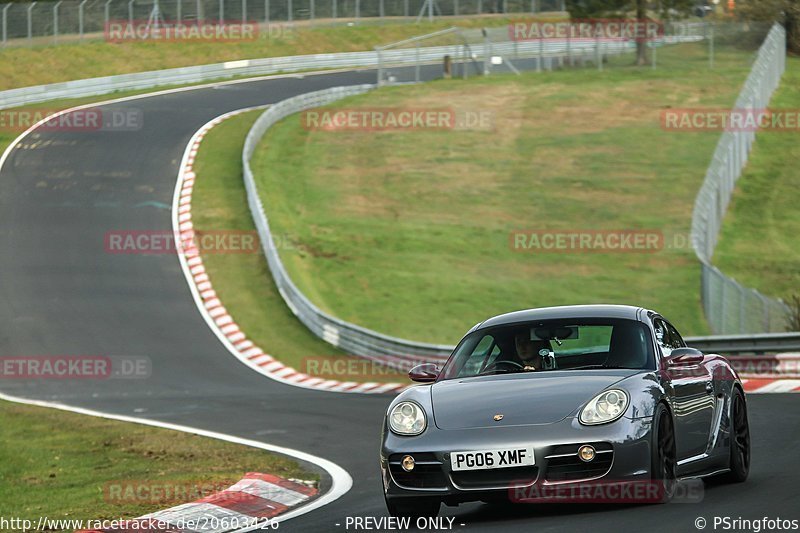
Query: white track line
[341,482]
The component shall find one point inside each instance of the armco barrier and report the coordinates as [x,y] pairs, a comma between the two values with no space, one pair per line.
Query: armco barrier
[261,67]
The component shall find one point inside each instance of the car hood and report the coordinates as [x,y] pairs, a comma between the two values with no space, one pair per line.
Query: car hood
[522,399]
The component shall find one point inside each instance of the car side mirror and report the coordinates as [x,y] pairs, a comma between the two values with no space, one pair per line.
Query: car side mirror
[684,357]
[424,373]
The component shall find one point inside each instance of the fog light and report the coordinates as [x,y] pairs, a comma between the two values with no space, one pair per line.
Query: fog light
[586,453]
[408,463]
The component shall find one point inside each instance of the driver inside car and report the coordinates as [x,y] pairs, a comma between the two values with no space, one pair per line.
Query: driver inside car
[531,353]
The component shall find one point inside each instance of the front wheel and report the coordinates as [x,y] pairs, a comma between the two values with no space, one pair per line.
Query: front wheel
[740,440]
[663,460]
[413,507]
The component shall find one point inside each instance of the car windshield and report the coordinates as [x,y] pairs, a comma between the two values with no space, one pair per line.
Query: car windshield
[552,345]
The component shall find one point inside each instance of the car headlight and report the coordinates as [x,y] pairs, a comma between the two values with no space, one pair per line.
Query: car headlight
[605,407]
[407,418]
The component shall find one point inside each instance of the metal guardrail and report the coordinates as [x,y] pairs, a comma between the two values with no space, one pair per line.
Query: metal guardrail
[750,343]
[730,307]
[261,67]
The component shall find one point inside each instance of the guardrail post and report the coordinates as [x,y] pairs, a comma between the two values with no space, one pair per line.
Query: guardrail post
[80,19]
[5,23]
[55,21]
[30,21]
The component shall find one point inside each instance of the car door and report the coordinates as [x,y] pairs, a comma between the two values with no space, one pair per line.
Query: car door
[693,396]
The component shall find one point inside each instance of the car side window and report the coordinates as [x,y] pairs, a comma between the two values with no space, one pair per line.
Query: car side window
[663,337]
[677,340]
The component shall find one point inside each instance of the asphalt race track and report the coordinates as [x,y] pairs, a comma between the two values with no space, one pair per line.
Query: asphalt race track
[62,294]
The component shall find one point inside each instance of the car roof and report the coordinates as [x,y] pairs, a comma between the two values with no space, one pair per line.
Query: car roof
[564,311]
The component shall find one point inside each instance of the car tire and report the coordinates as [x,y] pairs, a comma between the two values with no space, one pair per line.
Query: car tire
[740,440]
[413,507]
[663,454]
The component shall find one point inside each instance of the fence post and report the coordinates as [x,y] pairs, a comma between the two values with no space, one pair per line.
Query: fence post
[455,7]
[266,12]
[311,10]
[335,9]
[358,9]
[244,11]
[710,45]
[30,21]
[80,19]
[107,15]
[533,6]
[381,7]
[200,11]
[480,7]
[289,11]
[405,8]
[5,23]
[221,17]
[179,10]
[130,12]
[55,21]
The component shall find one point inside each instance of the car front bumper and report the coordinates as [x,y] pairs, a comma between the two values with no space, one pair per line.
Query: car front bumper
[623,456]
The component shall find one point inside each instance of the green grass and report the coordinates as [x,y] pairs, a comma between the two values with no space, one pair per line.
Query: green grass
[63,465]
[26,66]
[243,281]
[408,232]
[758,245]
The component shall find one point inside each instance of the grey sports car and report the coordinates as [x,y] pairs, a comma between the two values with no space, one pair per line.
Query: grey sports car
[563,397]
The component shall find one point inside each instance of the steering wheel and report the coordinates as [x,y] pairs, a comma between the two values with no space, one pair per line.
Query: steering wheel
[497,364]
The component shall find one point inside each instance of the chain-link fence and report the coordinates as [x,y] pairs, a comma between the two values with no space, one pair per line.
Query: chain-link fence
[57,21]
[730,307]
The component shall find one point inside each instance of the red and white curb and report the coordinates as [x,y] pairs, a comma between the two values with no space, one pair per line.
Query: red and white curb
[763,385]
[249,504]
[209,304]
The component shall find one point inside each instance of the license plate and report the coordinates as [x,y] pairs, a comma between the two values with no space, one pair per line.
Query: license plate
[486,459]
